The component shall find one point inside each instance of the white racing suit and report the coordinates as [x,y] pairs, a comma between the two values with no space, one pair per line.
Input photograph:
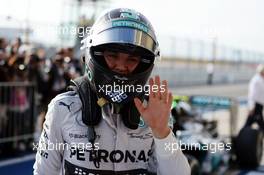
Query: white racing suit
[64,148]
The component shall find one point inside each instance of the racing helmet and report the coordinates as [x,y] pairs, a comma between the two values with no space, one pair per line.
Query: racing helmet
[126,31]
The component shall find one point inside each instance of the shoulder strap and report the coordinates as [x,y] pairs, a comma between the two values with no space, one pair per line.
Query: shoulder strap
[91,111]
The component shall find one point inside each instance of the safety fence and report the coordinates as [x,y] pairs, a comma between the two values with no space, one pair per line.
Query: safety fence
[17,117]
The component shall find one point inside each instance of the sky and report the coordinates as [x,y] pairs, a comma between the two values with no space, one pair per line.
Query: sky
[238,23]
[235,23]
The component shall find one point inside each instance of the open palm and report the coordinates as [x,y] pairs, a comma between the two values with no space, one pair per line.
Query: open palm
[156,112]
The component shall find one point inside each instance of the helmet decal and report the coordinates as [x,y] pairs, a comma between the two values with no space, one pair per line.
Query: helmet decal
[128,13]
[127,23]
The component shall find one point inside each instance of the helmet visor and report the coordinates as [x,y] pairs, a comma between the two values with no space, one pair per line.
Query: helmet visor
[125,36]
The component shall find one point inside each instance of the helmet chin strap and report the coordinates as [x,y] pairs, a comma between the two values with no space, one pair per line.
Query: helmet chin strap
[128,112]
[116,108]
